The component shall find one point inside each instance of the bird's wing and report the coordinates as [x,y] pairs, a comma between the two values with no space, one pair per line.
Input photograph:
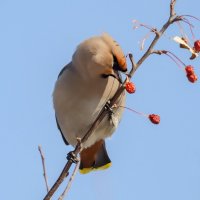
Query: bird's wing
[65,141]
[62,70]
[58,126]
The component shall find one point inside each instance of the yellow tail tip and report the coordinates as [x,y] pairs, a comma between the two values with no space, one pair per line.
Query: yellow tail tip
[90,169]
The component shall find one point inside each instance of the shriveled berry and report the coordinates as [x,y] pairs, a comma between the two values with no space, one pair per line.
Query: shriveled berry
[192,77]
[130,87]
[155,119]
[197,46]
[189,69]
[182,45]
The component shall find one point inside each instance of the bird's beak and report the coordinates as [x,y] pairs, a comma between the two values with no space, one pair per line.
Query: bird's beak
[115,73]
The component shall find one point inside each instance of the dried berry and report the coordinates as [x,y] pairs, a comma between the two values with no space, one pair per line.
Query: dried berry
[197,46]
[192,77]
[130,87]
[155,119]
[184,44]
[189,69]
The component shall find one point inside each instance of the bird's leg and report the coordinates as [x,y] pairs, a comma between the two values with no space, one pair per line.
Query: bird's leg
[72,155]
[112,116]
[109,108]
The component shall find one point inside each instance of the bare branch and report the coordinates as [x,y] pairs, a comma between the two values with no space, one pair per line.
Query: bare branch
[70,182]
[60,179]
[159,34]
[72,158]
[44,167]
[134,67]
[172,5]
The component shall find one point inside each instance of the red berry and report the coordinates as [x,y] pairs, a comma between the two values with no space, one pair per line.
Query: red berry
[197,45]
[155,119]
[189,69]
[192,77]
[130,87]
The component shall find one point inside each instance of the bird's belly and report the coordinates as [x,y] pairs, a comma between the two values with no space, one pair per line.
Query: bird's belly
[79,112]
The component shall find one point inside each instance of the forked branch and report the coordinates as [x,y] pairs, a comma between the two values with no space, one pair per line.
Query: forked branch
[69,182]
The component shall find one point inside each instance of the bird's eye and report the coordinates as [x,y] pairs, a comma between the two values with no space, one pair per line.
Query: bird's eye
[115,63]
[117,66]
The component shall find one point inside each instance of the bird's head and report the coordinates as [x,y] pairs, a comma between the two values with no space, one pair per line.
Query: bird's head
[99,56]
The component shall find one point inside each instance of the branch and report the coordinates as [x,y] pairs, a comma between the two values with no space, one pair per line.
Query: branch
[70,182]
[44,168]
[172,5]
[72,158]
[159,34]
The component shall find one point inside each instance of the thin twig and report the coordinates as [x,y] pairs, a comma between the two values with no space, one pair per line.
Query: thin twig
[69,182]
[184,35]
[170,21]
[44,167]
[144,39]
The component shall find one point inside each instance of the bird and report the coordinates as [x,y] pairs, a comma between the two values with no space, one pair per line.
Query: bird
[82,89]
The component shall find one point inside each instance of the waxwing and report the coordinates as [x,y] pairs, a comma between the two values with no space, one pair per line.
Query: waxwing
[82,89]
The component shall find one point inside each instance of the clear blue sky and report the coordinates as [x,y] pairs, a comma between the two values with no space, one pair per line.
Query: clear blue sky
[37,39]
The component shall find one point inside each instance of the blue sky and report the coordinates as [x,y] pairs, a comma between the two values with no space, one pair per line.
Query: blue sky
[149,162]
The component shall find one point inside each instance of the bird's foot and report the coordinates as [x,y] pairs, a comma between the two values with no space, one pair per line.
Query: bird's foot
[72,155]
[108,107]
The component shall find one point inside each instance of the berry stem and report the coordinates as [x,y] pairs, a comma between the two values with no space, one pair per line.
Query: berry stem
[174,58]
[169,52]
[138,24]
[140,113]
[190,26]
[191,17]
[187,22]
[175,61]
[182,30]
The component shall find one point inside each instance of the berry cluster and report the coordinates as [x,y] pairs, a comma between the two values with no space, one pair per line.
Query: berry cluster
[183,43]
[197,46]
[192,77]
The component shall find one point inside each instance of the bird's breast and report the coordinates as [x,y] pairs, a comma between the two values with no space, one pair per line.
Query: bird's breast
[77,104]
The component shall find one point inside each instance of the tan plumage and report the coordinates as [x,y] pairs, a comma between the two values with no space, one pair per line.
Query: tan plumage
[81,91]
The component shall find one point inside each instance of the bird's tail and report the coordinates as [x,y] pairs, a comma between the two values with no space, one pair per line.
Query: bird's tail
[94,157]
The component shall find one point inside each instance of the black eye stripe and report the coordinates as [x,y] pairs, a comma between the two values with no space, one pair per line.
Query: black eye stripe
[115,61]
[116,65]
[118,77]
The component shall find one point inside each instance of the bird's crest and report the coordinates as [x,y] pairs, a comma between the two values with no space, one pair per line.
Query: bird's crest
[116,50]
